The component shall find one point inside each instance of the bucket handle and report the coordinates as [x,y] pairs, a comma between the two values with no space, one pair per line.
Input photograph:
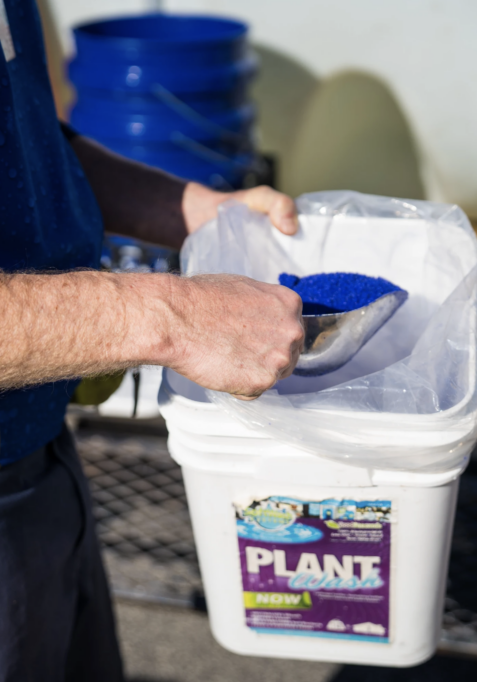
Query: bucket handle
[206,153]
[190,114]
[256,164]
[196,148]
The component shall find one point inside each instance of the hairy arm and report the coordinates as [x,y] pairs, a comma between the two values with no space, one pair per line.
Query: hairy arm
[225,332]
[143,202]
[75,324]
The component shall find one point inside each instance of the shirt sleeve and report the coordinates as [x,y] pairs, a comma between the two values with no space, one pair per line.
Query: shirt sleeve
[69,132]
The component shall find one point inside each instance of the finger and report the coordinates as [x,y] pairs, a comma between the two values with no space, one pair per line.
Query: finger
[295,351]
[279,207]
[288,371]
[254,392]
[283,214]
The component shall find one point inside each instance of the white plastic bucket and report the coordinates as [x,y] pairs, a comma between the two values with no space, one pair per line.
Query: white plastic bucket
[303,557]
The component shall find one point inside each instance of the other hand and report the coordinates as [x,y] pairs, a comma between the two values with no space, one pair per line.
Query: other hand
[199,204]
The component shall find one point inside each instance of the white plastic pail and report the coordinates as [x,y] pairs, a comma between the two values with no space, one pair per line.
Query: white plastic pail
[303,557]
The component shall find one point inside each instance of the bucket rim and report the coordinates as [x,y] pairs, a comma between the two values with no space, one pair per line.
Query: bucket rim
[246,112]
[426,421]
[88,30]
[242,66]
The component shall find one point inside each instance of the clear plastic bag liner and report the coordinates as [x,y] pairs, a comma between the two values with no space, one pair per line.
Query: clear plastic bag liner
[408,399]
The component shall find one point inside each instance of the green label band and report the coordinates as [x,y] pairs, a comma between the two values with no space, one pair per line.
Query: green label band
[277,600]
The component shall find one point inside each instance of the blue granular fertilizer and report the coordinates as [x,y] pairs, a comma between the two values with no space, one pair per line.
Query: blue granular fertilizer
[336,292]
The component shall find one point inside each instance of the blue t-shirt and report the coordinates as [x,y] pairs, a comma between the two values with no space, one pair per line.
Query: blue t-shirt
[49,218]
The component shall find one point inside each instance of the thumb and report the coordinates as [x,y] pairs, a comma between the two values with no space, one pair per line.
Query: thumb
[279,207]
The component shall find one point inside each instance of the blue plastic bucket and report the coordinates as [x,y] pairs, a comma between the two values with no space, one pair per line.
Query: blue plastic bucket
[183,53]
[169,90]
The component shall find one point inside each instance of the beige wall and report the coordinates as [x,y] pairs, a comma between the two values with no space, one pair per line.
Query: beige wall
[424,50]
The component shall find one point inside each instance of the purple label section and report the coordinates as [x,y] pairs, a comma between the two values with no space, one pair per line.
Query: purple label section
[316,568]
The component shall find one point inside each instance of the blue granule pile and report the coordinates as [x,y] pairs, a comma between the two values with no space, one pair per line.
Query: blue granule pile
[336,292]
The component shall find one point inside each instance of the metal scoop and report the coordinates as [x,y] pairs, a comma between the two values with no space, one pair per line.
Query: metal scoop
[332,340]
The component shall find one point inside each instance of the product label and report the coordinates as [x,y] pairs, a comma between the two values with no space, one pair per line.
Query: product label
[316,568]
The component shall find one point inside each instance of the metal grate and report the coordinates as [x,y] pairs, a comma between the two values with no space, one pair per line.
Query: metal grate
[142,518]
[144,526]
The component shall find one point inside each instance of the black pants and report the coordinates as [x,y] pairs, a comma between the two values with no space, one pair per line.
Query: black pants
[56,622]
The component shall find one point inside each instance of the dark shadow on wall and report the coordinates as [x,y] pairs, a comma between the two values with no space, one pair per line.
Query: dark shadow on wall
[438,669]
[345,132]
[282,90]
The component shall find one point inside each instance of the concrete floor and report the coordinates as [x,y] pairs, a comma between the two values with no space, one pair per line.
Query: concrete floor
[174,645]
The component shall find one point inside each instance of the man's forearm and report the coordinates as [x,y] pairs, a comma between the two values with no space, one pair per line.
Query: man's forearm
[218,330]
[80,323]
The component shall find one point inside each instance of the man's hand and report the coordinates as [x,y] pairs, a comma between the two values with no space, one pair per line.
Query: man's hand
[199,204]
[234,334]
